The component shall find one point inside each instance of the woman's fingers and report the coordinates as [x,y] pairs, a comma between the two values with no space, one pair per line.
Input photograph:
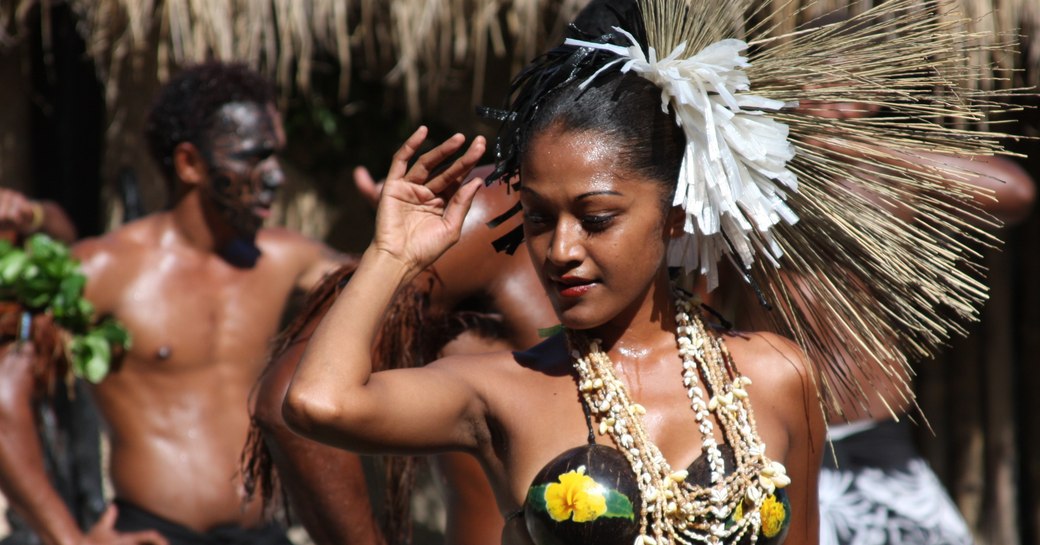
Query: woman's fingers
[431,160]
[399,164]
[421,173]
[458,170]
[458,206]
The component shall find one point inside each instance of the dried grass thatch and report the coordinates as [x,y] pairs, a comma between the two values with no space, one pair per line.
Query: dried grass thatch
[417,45]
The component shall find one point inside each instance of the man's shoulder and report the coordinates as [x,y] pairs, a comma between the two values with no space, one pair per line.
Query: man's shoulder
[281,239]
[121,245]
[303,257]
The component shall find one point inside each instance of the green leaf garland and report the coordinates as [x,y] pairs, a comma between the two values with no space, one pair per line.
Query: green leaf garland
[44,277]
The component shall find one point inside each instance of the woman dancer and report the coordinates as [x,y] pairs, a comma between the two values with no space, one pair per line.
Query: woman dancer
[598,177]
[630,158]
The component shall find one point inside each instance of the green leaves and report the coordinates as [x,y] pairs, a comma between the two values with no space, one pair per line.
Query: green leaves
[91,355]
[44,277]
[92,351]
[618,504]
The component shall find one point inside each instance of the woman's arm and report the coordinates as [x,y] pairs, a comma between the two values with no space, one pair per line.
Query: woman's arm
[807,432]
[334,397]
[790,421]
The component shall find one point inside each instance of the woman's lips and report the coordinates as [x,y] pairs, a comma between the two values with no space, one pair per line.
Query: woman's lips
[573,287]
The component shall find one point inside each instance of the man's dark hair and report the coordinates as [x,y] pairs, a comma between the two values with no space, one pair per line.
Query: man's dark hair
[186,107]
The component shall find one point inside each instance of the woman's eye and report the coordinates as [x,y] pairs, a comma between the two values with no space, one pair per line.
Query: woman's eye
[534,217]
[596,222]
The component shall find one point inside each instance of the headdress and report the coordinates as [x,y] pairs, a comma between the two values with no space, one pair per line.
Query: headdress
[800,204]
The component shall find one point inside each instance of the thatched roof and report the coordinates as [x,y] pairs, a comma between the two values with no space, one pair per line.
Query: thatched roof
[414,44]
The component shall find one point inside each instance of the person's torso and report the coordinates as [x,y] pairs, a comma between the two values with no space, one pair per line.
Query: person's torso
[537,416]
[177,405]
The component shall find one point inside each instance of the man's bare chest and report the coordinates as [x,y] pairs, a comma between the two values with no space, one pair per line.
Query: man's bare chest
[191,320]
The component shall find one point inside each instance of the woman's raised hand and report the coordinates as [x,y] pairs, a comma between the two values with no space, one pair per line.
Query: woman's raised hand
[422,208]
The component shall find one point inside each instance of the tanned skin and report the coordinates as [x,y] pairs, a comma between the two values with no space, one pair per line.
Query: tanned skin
[201,287]
[517,411]
[469,269]
[22,217]
[325,484]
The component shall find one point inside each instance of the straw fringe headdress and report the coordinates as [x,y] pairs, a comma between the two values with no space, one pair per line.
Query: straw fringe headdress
[861,246]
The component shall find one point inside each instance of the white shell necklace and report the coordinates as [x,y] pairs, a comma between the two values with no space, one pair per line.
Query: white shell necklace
[676,511]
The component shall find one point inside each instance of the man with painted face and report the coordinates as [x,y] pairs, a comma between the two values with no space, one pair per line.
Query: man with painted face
[201,286]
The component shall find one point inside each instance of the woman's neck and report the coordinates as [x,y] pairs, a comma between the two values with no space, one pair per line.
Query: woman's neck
[645,327]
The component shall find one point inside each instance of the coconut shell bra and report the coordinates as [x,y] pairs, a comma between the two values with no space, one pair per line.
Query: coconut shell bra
[588,495]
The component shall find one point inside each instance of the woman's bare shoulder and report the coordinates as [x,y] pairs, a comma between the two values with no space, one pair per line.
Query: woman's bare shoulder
[768,358]
[783,389]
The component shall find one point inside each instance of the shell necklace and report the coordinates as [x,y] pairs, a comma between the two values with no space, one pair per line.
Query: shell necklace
[676,511]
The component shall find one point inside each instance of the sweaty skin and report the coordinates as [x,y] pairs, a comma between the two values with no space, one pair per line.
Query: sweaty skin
[515,412]
[176,407]
[471,272]
[201,287]
[463,273]
[19,216]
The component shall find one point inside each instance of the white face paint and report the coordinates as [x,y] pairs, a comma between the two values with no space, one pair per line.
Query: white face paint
[244,172]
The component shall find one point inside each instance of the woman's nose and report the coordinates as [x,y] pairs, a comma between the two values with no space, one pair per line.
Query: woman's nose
[566,245]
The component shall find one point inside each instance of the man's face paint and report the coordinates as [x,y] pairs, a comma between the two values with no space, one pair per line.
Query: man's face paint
[243,163]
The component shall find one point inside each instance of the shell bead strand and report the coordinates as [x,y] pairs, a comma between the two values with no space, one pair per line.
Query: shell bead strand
[678,511]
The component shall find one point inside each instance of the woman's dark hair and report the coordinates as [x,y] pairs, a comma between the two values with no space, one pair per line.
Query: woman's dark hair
[186,107]
[625,108]
[599,17]
[549,93]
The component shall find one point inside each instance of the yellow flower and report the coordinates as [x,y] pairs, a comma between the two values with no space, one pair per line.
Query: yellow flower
[773,516]
[576,494]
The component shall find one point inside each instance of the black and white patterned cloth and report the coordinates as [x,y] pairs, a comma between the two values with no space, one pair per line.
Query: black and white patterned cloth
[879,491]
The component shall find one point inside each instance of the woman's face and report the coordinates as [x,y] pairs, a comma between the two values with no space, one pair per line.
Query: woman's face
[596,233]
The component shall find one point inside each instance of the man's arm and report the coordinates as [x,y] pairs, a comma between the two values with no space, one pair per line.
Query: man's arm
[308,260]
[23,477]
[27,217]
[1011,190]
[998,185]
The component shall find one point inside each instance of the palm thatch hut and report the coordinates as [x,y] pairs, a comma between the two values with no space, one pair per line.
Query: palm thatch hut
[355,74]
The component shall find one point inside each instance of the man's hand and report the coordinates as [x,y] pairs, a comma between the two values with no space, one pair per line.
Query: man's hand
[25,217]
[369,189]
[19,213]
[104,533]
